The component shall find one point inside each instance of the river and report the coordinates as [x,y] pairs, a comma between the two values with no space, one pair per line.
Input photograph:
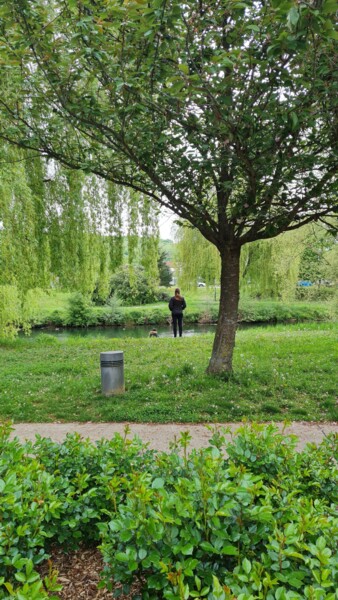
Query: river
[140,331]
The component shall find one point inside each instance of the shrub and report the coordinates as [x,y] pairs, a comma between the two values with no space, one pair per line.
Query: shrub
[200,526]
[315,292]
[112,315]
[57,318]
[57,493]
[244,519]
[163,296]
[133,287]
[79,312]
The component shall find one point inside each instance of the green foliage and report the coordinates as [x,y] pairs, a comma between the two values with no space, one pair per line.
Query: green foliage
[51,309]
[279,312]
[163,269]
[270,269]
[245,518]
[132,286]
[79,311]
[29,501]
[159,102]
[18,310]
[10,311]
[56,493]
[113,314]
[319,260]
[201,526]
[195,259]
[52,231]
[315,293]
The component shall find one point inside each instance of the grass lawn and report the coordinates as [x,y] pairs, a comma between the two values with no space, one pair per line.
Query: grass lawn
[285,372]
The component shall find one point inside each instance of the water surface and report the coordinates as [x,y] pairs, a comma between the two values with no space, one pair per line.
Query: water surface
[136,331]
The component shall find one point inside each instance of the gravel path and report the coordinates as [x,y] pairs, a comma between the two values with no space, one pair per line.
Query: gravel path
[159,436]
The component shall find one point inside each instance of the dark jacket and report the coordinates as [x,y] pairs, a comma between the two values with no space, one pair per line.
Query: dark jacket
[177,306]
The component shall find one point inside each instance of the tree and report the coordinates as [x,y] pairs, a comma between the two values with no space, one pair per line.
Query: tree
[319,256]
[131,286]
[221,110]
[268,268]
[58,225]
[163,269]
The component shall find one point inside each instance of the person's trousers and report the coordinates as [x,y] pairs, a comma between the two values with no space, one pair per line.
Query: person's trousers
[177,320]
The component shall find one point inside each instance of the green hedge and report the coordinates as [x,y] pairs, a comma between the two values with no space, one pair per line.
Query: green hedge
[245,519]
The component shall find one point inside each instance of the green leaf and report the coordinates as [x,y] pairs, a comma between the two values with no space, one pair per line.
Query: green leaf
[184,68]
[246,564]
[329,7]
[293,17]
[226,62]
[294,120]
[208,547]
[187,549]
[122,557]
[230,550]
[9,588]
[321,543]
[158,483]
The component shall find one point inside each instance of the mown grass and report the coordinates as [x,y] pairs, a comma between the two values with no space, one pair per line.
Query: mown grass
[286,372]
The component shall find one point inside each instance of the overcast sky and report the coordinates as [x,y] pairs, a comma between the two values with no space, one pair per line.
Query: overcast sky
[166,222]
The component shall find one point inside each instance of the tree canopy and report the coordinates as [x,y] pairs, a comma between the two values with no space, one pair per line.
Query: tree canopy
[60,228]
[221,110]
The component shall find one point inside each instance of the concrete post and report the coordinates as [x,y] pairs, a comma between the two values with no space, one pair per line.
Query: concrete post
[112,373]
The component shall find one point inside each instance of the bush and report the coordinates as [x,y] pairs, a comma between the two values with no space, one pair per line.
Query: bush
[57,318]
[163,296]
[132,288]
[315,292]
[79,313]
[250,518]
[199,526]
[112,315]
[279,312]
[57,493]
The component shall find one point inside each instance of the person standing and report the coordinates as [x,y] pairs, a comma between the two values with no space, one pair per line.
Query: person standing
[177,305]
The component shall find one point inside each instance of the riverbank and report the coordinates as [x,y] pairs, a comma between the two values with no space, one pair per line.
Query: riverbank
[280,373]
[52,311]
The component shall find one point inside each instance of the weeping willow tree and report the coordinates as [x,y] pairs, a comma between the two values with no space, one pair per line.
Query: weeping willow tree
[195,259]
[21,226]
[269,268]
[62,228]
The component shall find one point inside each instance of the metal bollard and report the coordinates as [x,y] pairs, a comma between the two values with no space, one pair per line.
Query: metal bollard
[112,373]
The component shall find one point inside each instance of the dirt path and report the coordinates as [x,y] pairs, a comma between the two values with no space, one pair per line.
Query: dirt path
[159,436]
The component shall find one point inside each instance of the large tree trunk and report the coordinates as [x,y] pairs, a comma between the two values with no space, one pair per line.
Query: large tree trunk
[224,342]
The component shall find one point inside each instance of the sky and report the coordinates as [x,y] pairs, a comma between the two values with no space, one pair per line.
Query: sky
[166,223]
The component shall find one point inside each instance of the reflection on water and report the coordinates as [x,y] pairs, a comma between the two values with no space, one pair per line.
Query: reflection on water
[140,331]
